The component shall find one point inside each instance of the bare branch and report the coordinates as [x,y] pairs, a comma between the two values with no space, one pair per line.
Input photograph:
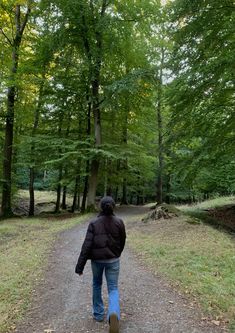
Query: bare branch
[7,38]
[17,19]
[25,20]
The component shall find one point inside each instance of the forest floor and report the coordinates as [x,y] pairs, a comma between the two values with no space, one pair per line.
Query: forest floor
[220,212]
[61,302]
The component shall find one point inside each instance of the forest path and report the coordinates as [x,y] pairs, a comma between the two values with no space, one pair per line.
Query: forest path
[62,302]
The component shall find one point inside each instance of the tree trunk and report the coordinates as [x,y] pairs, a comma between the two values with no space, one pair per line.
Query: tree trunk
[7,154]
[76,195]
[92,185]
[160,132]
[58,191]
[95,83]
[31,191]
[116,194]
[86,181]
[64,205]
[124,200]
[6,208]
[168,189]
[85,190]
[59,187]
[93,179]
[32,168]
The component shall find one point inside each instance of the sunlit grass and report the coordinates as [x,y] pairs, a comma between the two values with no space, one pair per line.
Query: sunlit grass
[213,203]
[41,196]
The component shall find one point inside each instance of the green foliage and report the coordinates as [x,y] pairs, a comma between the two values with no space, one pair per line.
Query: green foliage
[201,95]
[64,47]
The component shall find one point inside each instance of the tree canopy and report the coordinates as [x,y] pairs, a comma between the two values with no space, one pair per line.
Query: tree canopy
[134,99]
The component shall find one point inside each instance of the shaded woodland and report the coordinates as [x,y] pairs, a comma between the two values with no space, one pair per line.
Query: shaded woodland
[133,99]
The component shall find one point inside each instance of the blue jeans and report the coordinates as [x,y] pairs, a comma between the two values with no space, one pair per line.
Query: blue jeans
[111,273]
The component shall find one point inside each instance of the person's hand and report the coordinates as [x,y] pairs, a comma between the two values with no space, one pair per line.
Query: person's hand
[80,273]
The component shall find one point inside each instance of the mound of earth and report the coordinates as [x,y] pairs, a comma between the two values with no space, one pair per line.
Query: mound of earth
[164,211]
[224,216]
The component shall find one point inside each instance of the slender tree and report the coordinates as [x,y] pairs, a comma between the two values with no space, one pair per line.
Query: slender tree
[21,19]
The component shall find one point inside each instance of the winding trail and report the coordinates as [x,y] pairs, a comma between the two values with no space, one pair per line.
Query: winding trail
[62,302]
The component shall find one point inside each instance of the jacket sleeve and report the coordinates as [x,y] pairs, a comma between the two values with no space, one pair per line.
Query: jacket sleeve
[85,251]
[122,235]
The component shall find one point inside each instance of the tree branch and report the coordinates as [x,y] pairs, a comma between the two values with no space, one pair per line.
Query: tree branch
[25,20]
[7,38]
[17,19]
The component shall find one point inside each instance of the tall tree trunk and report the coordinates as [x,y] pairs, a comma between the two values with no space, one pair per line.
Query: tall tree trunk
[105,177]
[31,191]
[93,179]
[64,205]
[6,208]
[116,194]
[58,190]
[85,190]
[168,188]
[76,195]
[60,175]
[124,200]
[95,83]
[160,132]
[7,154]
[86,180]
[32,168]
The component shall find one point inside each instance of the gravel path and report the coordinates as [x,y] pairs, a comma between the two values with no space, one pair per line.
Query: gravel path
[62,303]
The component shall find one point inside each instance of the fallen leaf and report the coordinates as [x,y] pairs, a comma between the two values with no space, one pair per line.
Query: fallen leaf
[216,322]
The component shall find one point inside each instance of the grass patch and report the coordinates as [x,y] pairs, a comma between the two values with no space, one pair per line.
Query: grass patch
[196,257]
[208,204]
[24,245]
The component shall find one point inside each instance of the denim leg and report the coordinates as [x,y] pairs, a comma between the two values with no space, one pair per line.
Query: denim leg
[98,305]
[111,274]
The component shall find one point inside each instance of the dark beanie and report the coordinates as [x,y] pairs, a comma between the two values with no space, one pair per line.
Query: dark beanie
[107,205]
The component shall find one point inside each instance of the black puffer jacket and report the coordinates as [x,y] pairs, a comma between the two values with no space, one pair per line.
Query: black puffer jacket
[105,239]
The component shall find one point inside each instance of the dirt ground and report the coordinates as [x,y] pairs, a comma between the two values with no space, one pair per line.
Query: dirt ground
[62,302]
[224,215]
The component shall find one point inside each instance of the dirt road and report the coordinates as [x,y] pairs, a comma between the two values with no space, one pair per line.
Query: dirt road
[62,303]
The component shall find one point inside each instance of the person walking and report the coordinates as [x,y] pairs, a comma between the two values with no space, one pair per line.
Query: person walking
[103,244]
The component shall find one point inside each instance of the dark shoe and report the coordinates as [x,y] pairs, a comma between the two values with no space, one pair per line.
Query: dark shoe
[98,319]
[113,323]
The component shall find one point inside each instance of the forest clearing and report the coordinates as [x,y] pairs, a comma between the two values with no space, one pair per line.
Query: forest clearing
[133,100]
